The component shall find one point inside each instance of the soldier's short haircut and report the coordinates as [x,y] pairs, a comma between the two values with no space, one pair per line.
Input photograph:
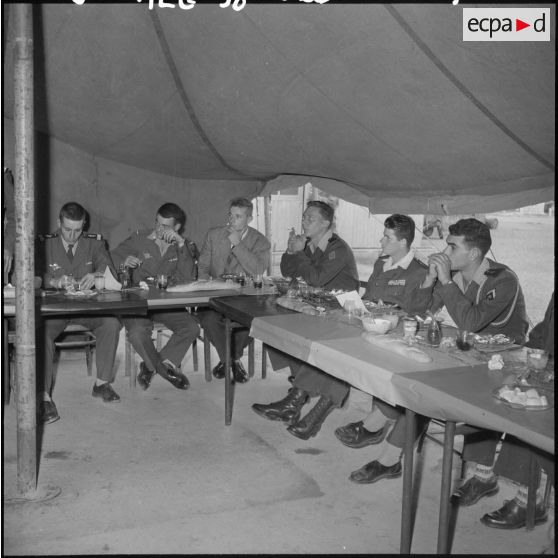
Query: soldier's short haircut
[73,211]
[475,234]
[168,210]
[403,225]
[242,202]
[326,211]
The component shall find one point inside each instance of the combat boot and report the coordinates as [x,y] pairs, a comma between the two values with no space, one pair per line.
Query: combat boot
[287,410]
[310,425]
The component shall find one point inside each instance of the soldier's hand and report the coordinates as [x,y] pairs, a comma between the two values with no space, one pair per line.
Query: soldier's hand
[87,281]
[234,236]
[443,266]
[296,243]
[132,261]
[170,236]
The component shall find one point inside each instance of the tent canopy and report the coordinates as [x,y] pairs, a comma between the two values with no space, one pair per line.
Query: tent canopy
[383,105]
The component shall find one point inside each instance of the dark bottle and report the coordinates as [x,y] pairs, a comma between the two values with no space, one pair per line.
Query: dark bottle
[434,334]
[124,276]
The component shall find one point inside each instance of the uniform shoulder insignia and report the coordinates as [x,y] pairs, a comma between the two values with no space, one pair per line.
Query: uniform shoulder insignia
[94,236]
[494,271]
[43,237]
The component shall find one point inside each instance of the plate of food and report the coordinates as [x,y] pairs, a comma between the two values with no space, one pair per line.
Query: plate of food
[492,343]
[82,293]
[526,397]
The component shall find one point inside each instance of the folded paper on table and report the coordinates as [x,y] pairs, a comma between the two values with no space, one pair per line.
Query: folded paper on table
[209,285]
[351,295]
[111,284]
[397,346]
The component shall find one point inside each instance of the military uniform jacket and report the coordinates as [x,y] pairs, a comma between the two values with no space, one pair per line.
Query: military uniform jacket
[250,255]
[398,285]
[335,268]
[177,263]
[496,305]
[90,255]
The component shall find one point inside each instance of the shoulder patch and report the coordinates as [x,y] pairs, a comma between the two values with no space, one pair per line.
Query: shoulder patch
[95,236]
[43,237]
[490,295]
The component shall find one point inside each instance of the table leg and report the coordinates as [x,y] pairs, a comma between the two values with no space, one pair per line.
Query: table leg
[532,494]
[407,499]
[445,492]
[229,393]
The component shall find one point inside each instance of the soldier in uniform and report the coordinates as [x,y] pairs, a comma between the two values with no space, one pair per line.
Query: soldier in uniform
[396,278]
[70,251]
[481,296]
[234,248]
[323,259]
[148,253]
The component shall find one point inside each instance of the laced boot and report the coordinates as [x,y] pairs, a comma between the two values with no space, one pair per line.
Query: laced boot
[287,410]
[310,425]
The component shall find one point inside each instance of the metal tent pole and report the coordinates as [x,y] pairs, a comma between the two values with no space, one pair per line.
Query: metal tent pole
[24,251]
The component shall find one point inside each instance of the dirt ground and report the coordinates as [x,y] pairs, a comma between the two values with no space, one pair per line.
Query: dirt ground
[160,473]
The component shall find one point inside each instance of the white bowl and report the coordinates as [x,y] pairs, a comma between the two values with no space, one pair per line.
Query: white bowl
[376,325]
[392,318]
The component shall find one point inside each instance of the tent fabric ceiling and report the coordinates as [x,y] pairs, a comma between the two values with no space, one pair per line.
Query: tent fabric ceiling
[381,104]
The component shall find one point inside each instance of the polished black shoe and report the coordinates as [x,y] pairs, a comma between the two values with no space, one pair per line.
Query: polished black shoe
[513,516]
[354,435]
[240,375]
[375,471]
[145,376]
[176,378]
[474,489]
[219,371]
[310,425]
[48,412]
[106,392]
[287,410]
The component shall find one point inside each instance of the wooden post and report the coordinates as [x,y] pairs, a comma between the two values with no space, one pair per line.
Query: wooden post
[24,251]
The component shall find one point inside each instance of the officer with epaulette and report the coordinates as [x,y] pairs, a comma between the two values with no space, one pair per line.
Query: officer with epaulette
[71,252]
[150,252]
[397,273]
[396,278]
[480,296]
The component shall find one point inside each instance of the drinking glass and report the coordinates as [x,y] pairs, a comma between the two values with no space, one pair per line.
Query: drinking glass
[350,308]
[409,329]
[537,359]
[162,281]
[463,340]
[99,281]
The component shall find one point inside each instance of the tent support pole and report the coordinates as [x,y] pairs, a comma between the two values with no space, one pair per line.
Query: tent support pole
[267,228]
[24,252]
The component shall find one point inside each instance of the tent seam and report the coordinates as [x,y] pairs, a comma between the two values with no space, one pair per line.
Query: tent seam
[462,88]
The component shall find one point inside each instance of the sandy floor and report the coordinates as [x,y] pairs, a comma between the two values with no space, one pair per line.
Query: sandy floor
[159,472]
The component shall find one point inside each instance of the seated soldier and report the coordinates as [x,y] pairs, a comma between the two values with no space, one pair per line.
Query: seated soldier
[322,259]
[480,295]
[70,251]
[514,459]
[149,253]
[396,276]
[234,248]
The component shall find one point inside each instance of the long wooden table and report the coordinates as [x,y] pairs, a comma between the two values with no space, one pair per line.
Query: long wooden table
[446,389]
